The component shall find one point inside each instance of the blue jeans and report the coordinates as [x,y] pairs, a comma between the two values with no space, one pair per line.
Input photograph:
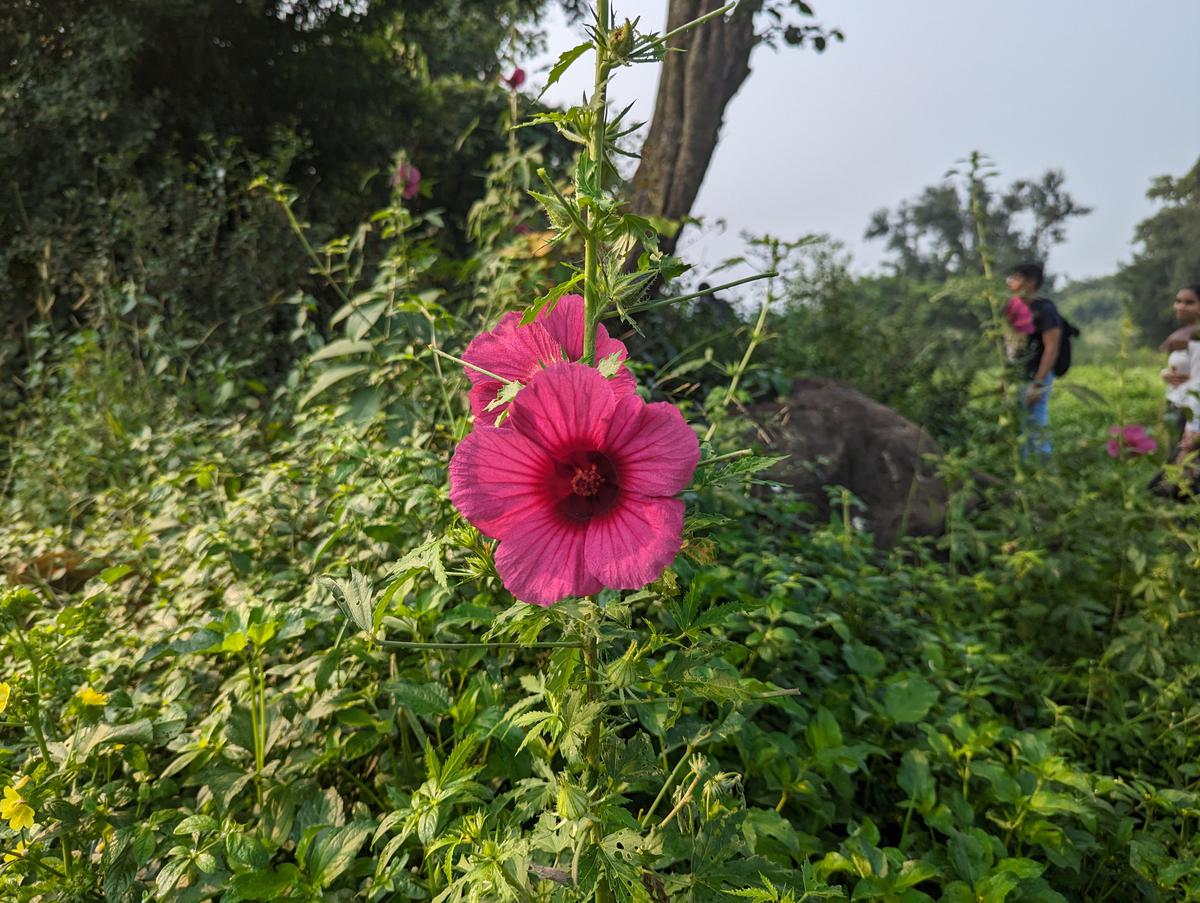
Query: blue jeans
[1035,421]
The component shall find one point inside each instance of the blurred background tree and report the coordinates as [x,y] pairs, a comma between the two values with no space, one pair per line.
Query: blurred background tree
[1168,256]
[933,236]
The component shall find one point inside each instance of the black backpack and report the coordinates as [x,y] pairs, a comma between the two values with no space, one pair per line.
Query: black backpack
[1063,364]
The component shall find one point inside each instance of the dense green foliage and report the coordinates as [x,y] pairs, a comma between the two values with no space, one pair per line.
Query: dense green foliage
[999,715]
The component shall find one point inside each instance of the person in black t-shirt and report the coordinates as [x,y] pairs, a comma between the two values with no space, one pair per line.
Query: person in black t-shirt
[1040,356]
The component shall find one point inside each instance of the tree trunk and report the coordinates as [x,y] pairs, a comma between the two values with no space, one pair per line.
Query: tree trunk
[699,77]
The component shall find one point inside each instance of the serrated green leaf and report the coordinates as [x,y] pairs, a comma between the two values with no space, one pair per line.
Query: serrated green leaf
[565,59]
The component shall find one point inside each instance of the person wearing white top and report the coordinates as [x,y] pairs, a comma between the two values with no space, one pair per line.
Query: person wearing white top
[1182,374]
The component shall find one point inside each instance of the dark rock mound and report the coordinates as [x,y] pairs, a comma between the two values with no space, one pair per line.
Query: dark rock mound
[836,436]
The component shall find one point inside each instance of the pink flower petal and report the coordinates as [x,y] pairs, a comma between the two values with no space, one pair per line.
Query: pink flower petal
[632,544]
[516,353]
[1114,448]
[542,560]
[498,479]
[622,383]
[481,395]
[564,408]
[654,449]
[565,324]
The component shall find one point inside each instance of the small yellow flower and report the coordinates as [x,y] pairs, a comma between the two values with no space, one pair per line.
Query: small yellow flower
[88,696]
[5,691]
[18,852]
[14,809]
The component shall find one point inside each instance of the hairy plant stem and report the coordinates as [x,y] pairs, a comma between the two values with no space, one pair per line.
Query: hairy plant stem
[670,781]
[662,302]
[728,456]
[593,304]
[258,717]
[322,267]
[593,308]
[590,627]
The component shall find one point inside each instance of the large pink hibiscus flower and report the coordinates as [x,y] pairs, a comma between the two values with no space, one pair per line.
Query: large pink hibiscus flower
[578,486]
[517,352]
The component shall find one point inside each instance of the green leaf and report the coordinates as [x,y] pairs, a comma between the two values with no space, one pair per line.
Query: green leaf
[113,574]
[420,699]
[909,699]
[564,63]
[245,853]
[341,348]
[913,872]
[916,779]
[863,659]
[333,850]
[234,642]
[267,884]
[196,824]
[823,731]
[738,469]
[507,393]
[355,598]
[547,301]
[328,378]
[88,738]
[609,366]
[969,856]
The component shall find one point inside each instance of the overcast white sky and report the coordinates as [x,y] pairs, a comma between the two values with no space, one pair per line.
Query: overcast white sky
[1107,90]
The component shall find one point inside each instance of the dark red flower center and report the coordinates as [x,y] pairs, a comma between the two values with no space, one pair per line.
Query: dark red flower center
[586,484]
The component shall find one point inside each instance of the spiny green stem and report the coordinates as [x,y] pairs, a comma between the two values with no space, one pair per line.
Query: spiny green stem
[651,305]
[36,721]
[312,253]
[593,304]
[670,782]
[728,456]
[700,21]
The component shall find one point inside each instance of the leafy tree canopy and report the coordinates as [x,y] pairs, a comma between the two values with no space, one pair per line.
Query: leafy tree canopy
[934,237]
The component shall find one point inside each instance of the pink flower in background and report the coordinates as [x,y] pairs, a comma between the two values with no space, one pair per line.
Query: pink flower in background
[515,80]
[406,179]
[1131,439]
[578,486]
[517,353]
[1019,315]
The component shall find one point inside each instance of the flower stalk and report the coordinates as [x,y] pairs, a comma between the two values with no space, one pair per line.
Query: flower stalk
[593,302]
